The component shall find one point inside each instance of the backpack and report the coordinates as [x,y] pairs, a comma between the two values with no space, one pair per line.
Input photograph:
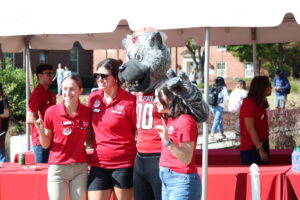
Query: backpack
[288,90]
[213,95]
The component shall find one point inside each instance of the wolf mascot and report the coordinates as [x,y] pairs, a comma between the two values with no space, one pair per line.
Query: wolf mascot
[148,66]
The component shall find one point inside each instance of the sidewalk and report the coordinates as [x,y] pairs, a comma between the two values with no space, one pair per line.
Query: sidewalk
[217,143]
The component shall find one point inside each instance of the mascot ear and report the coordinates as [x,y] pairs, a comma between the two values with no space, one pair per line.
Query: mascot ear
[156,41]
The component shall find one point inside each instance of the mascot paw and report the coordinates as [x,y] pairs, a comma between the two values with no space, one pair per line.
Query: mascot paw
[189,93]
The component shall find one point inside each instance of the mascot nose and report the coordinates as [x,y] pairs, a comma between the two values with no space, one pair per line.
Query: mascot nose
[122,68]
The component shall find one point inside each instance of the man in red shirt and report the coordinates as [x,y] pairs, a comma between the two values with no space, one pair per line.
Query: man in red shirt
[40,100]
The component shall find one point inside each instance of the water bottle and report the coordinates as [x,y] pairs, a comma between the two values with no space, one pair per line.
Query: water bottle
[296,160]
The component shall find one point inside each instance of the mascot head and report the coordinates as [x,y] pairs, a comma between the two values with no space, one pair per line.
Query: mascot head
[148,60]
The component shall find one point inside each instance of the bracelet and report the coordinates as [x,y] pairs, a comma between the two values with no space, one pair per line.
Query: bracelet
[260,145]
[169,143]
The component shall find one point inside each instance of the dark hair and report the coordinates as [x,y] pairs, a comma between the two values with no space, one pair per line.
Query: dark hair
[1,90]
[257,90]
[111,65]
[75,78]
[42,67]
[220,81]
[242,84]
[278,71]
[175,104]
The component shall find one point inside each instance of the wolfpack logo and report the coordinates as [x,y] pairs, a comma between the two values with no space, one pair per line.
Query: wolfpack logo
[67,131]
[120,108]
[171,130]
[97,103]
[85,124]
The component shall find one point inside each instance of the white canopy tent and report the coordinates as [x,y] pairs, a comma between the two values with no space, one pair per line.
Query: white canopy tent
[96,24]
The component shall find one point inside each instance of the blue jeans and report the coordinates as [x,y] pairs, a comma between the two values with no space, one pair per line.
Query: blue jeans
[2,148]
[41,155]
[178,186]
[217,112]
[280,101]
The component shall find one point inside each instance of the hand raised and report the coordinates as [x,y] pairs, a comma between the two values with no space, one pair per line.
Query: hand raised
[39,123]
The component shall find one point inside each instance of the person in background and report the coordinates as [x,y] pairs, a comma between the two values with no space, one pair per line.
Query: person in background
[4,115]
[179,133]
[219,109]
[254,146]
[40,100]
[282,87]
[114,125]
[67,72]
[235,101]
[194,75]
[59,77]
[64,131]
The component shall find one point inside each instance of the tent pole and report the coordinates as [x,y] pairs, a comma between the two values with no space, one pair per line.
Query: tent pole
[176,59]
[26,61]
[205,124]
[253,37]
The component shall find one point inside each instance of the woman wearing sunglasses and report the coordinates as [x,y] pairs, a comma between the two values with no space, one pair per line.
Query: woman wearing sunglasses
[114,125]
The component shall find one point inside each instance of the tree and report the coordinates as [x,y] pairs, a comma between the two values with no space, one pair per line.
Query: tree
[264,53]
[291,57]
[197,56]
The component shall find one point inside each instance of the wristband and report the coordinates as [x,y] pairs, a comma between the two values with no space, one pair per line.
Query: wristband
[169,143]
[260,145]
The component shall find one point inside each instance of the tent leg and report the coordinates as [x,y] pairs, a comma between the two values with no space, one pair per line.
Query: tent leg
[27,65]
[205,125]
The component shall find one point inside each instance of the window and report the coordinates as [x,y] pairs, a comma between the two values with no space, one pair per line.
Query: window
[43,57]
[221,69]
[249,71]
[9,58]
[221,48]
[74,60]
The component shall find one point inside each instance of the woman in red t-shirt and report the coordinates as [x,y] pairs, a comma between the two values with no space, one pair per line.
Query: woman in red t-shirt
[114,125]
[66,127]
[254,123]
[179,134]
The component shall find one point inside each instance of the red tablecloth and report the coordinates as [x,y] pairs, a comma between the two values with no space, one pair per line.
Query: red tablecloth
[232,157]
[292,185]
[29,157]
[19,183]
[234,182]
[215,157]
[224,182]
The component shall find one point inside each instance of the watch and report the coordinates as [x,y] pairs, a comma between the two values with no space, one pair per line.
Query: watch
[169,143]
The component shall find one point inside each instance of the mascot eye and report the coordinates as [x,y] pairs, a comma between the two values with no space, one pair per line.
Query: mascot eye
[128,55]
[139,56]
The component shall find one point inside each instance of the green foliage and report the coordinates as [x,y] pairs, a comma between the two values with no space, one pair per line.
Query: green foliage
[13,81]
[263,52]
[295,85]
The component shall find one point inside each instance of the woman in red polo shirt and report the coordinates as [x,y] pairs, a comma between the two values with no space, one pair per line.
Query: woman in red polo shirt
[254,123]
[114,125]
[179,133]
[66,127]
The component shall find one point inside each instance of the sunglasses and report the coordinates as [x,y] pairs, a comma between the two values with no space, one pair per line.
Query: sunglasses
[102,76]
[48,73]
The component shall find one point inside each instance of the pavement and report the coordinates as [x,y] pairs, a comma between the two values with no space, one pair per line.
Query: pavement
[231,141]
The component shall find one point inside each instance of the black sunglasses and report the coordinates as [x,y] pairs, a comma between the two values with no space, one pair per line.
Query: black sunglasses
[102,76]
[48,73]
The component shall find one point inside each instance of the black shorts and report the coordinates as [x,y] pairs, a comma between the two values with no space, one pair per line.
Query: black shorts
[103,179]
